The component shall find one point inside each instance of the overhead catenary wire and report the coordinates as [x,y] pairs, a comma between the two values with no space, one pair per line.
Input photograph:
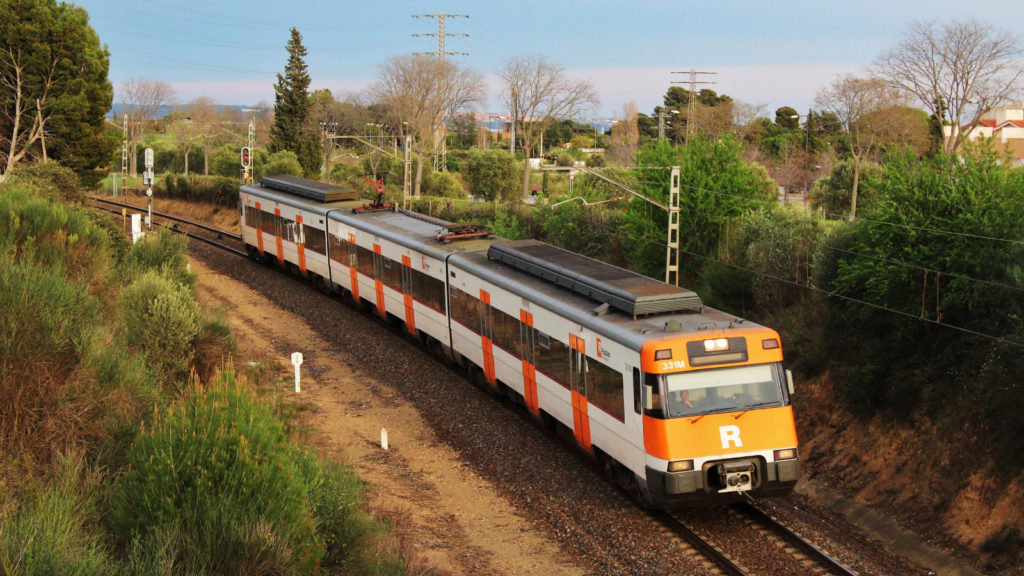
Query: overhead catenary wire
[659,244]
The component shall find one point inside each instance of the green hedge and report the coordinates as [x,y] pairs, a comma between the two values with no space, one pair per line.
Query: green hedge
[215,483]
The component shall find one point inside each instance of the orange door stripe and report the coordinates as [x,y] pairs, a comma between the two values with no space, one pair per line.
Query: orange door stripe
[410,316]
[487,344]
[580,418]
[353,272]
[277,240]
[301,249]
[529,371]
[259,231]
[379,285]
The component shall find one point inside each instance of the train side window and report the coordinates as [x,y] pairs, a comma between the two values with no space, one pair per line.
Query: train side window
[313,239]
[637,397]
[652,396]
[605,388]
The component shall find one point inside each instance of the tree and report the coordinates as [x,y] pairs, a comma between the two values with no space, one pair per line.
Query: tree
[625,138]
[967,66]
[863,106]
[54,89]
[142,100]
[716,187]
[417,92]
[294,127]
[537,94]
[209,127]
[186,134]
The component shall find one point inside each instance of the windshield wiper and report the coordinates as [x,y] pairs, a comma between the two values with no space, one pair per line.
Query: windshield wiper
[752,406]
[715,411]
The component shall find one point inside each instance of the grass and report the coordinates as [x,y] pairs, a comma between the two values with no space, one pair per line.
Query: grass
[121,449]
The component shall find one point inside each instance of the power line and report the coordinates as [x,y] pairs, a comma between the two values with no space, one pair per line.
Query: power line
[998,339]
[693,97]
[441,34]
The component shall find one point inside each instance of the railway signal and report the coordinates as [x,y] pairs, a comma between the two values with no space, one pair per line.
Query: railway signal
[246,160]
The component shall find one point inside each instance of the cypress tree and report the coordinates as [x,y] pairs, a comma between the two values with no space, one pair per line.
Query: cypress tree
[294,127]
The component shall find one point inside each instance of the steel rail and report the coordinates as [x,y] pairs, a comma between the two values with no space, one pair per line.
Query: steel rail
[705,548]
[833,565]
[175,218]
[209,241]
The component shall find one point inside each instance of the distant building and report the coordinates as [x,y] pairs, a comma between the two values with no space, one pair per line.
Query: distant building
[1005,125]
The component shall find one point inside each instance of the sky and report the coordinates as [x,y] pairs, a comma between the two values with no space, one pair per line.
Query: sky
[766,53]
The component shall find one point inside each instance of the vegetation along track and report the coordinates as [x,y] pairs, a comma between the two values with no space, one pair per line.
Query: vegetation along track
[499,447]
[217,241]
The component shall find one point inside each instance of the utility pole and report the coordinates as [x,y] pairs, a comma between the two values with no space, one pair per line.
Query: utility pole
[124,158]
[441,53]
[693,98]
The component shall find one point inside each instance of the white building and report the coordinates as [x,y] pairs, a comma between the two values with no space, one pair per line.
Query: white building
[1005,125]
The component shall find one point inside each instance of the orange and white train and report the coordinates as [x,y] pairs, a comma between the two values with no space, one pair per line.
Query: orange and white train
[680,403]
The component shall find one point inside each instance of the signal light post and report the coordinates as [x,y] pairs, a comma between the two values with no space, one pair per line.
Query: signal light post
[246,159]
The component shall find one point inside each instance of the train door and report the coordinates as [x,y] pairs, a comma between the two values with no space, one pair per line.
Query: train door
[378,283]
[527,351]
[578,388]
[353,267]
[486,337]
[410,318]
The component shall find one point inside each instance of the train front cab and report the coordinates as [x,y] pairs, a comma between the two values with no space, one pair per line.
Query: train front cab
[718,424]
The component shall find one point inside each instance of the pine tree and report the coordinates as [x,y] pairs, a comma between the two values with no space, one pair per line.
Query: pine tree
[294,127]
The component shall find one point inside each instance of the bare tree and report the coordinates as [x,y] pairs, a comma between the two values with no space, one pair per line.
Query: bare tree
[967,67]
[537,93]
[207,123]
[187,132]
[862,106]
[625,138]
[29,108]
[418,92]
[142,100]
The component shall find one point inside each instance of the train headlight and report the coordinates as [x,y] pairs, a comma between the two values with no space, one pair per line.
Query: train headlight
[786,454]
[680,466]
[716,345]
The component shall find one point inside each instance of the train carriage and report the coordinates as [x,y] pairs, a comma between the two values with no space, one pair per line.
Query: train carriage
[681,403]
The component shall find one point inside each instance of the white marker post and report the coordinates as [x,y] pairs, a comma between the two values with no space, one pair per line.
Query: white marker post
[297,361]
[147,179]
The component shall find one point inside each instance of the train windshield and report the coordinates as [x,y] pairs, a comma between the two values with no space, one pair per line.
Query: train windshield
[723,390]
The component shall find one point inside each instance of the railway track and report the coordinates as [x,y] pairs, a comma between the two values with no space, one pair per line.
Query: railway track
[217,241]
[801,555]
[809,558]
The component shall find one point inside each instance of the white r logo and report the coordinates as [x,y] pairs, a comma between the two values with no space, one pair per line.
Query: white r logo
[730,435]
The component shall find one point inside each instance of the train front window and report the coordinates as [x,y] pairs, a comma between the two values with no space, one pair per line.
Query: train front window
[723,390]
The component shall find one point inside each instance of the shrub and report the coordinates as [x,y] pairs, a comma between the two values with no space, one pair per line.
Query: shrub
[164,254]
[492,174]
[217,476]
[162,318]
[50,532]
[280,163]
[213,343]
[443,184]
[49,180]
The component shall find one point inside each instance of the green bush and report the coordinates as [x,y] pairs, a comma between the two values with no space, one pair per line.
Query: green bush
[165,254]
[283,163]
[49,180]
[163,319]
[53,531]
[53,235]
[217,476]
[492,174]
[443,184]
